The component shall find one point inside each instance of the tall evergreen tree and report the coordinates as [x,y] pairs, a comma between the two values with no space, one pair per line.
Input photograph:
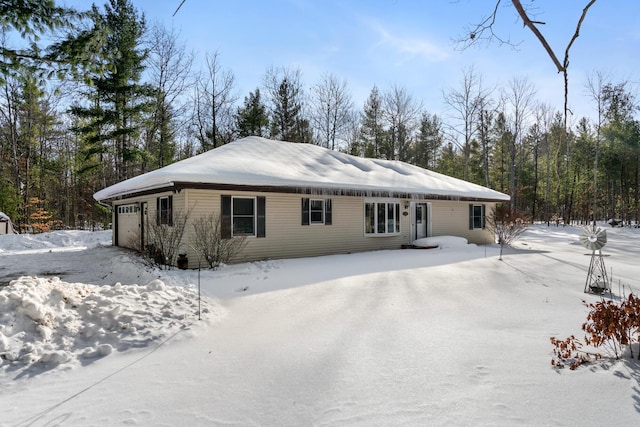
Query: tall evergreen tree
[286,97]
[621,151]
[118,99]
[372,128]
[251,118]
[37,23]
[429,140]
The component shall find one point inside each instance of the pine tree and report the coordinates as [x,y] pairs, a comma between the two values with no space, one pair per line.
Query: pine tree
[429,140]
[37,22]
[251,118]
[286,104]
[372,131]
[118,99]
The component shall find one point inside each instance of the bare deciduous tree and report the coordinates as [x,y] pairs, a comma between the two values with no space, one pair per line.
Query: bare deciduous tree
[213,117]
[465,106]
[518,100]
[487,112]
[595,86]
[169,66]
[331,110]
[484,31]
[401,113]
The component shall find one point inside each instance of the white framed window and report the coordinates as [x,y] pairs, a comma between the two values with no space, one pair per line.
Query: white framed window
[164,210]
[381,218]
[476,217]
[243,216]
[317,211]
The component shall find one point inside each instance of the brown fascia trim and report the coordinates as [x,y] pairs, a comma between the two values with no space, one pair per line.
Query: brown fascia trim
[316,191]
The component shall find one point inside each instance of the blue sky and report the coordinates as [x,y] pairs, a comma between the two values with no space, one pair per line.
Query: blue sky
[406,42]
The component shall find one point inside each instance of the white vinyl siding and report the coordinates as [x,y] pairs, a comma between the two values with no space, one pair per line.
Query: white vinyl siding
[286,237]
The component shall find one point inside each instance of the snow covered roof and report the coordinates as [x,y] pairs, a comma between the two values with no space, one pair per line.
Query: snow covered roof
[286,166]
[4,217]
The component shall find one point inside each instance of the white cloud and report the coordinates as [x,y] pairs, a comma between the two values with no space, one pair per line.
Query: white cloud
[407,47]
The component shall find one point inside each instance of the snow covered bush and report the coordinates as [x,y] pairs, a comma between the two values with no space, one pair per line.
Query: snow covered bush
[210,244]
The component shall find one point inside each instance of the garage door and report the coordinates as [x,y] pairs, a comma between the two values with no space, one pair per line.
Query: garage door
[129,226]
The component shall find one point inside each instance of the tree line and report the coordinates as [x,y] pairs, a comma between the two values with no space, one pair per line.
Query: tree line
[117,98]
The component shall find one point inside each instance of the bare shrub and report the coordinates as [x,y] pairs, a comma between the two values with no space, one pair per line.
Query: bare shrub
[133,241]
[506,226]
[165,239]
[210,244]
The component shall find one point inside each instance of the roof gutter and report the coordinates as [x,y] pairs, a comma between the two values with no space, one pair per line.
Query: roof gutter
[308,190]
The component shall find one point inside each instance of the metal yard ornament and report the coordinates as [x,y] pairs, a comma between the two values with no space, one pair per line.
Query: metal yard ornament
[597,280]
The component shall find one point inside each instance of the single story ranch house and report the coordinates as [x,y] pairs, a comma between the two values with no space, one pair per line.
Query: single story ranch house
[297,200]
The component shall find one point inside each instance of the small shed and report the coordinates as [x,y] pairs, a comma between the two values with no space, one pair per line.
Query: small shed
[6,226]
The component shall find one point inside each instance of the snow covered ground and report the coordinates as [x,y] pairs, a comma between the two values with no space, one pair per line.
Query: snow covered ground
[92,335]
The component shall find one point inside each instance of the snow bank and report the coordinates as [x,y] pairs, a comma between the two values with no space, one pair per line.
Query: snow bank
[441,242]
[51,322]
[53,240]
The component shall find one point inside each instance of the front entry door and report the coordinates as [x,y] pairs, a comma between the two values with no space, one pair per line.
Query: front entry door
[421,220]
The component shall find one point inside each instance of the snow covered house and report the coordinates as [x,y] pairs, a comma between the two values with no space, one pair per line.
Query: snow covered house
[296,200]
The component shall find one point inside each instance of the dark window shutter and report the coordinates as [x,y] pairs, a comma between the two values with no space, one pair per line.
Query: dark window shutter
[158,211]
[305,211]
[483,216]
[225,217]
[170,211]
[261,210]
[327,212]
[471,217]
